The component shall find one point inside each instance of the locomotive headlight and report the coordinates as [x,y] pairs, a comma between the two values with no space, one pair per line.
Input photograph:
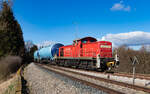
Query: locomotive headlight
[110,64]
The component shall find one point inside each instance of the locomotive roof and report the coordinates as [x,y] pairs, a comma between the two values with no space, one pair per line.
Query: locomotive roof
[86,38]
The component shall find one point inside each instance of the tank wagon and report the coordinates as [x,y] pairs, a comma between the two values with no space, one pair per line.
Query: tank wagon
[47,53]
[85,53]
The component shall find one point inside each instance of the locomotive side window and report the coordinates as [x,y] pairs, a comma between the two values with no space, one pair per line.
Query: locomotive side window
[62,52]
[81,46]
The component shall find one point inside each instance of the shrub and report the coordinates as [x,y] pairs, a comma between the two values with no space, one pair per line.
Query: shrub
[9,65]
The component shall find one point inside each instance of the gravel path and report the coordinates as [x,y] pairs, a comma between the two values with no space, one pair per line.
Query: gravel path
[41,81]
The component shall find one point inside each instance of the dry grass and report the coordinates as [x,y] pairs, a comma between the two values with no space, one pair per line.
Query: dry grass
[9,65]
[5,85]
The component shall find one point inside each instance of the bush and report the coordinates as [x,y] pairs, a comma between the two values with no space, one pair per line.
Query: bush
[9,65]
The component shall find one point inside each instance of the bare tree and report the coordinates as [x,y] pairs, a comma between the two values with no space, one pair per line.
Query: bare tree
[126,53]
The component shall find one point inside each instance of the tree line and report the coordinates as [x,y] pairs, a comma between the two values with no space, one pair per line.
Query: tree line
[125,55]
[11,35]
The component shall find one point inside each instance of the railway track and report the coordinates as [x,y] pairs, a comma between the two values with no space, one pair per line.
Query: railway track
[129,75]
[101,88]
[62,71]
[140,76]
[140,79]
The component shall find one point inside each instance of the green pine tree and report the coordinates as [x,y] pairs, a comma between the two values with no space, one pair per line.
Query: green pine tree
[11,36]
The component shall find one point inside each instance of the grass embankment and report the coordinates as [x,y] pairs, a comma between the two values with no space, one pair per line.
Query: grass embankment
[11,86]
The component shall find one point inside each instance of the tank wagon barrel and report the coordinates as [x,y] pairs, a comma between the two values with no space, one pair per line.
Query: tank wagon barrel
[47,53]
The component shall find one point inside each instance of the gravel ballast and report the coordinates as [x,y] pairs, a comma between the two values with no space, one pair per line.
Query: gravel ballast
[42,81]
[104,84]
[139,82]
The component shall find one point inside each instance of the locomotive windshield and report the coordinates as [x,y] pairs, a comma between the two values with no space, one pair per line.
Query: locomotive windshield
[84,41]
[92,40]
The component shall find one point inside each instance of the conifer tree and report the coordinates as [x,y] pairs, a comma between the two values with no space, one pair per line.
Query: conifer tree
[11,36]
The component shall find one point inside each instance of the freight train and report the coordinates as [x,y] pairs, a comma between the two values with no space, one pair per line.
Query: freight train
[85,53]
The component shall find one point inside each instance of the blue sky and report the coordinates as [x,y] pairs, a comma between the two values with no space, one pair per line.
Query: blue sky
[65,20]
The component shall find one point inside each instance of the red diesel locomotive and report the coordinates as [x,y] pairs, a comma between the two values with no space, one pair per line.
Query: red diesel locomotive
[87,53]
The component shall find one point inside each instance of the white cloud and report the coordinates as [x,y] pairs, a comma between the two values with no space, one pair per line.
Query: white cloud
[129,39]
[120,7]
[117,6]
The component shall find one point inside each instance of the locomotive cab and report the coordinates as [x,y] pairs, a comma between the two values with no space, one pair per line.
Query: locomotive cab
[84,40]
